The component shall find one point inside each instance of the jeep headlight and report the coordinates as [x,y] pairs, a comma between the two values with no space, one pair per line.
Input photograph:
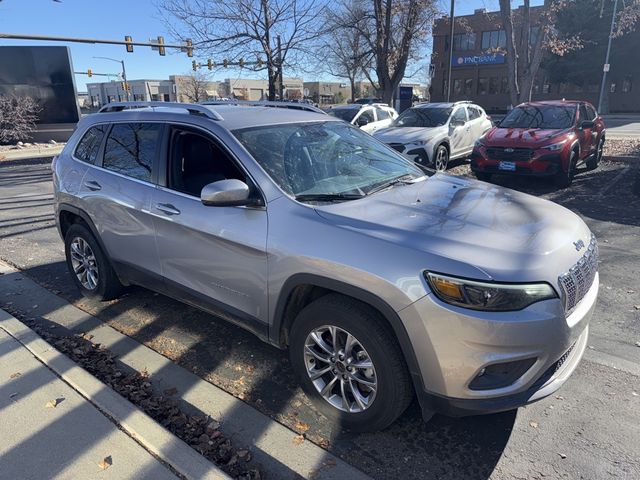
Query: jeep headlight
[490,296]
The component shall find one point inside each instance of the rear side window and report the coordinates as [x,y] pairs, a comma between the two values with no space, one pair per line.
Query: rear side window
[131,149]
[89,147]
[473,113]
[382,114]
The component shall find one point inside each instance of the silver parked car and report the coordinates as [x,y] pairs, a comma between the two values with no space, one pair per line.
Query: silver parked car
[383,283]
[434,133]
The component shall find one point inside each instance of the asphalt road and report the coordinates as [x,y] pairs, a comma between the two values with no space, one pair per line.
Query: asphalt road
[589,430]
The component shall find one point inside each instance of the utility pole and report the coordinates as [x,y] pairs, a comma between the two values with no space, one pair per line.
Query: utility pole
[605,67]
[124,74]
[281,83]
[451,20]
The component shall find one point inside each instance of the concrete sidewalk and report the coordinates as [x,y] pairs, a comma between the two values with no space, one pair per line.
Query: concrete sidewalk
[70,440]
[58,421]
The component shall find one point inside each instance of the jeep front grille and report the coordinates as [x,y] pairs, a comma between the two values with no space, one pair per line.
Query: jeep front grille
[575,283]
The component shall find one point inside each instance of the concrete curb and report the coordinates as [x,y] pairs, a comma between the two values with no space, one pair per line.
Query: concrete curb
[277,448]
[31,153]
[138,425]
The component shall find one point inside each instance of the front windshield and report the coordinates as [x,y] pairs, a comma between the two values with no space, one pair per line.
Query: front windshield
[345,114]
[543,116]
[423,117]
[326,158]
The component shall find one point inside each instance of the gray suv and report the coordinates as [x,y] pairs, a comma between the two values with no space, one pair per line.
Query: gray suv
[382,282]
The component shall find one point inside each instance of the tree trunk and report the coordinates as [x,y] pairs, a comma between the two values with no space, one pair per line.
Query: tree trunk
[352,82]
[512,58]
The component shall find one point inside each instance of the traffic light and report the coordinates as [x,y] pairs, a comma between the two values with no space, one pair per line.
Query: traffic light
[194,65]
[89,73]
[210,64]
[161,50]
[129,41]
[241,63]
[124,86]
[225,63]
[189,47]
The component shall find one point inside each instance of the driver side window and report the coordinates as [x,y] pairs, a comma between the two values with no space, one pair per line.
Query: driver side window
[460,115]
[195,160]
[365,117]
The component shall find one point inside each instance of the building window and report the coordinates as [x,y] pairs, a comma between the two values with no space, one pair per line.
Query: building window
[464,41]
[493,85]
[444,86]
[565,87]
[627,84]
[138,97]
[494,39]
[504,85]
[546,86]
[457,86]
[612,88]
[482,86]
[534,33]
[468,86]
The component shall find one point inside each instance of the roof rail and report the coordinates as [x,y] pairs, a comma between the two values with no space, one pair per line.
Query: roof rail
[462,101]
[191,108]
[266,103]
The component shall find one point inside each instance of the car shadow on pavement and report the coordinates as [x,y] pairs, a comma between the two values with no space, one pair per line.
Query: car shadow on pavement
[259,374]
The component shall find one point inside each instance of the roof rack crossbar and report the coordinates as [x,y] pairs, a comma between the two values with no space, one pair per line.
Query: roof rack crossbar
[266,103]
[192,108]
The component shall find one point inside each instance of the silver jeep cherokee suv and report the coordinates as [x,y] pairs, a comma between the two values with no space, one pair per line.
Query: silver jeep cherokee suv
[382,282]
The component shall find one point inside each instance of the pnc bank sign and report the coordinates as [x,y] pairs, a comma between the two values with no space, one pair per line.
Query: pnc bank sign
[472,60]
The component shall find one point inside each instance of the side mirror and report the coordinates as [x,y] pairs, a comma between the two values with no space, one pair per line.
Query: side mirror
[225,193]
[362,121]
[587,124]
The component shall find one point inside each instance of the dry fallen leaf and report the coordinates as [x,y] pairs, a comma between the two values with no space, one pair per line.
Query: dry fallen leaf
[105,463]
[562,455]
[51,404]
[302,427]
[15,375]
[298,439]
[533,424]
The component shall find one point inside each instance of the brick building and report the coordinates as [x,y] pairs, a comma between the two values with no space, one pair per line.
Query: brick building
[479,68]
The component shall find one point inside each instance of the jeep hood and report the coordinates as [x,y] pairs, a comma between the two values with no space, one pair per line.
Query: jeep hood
[521,137]
[405,134]
[507,235]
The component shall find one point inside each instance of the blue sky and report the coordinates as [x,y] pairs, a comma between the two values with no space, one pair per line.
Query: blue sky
[113,19]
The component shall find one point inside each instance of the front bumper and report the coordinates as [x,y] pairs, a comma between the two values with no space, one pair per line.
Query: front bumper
[540,165]
[456,344]
[418,153]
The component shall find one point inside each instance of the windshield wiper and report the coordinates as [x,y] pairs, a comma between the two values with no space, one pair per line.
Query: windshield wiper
[404,179]
[327,197]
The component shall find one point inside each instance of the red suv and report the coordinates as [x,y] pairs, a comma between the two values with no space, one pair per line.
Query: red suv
[542,139]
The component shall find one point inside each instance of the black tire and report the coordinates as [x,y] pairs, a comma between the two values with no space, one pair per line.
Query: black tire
[564,179]
[394,390]
[483,176]
[108,285]
[593,161]
[440,159]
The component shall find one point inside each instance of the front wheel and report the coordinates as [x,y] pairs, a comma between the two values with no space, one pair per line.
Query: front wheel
[441,158]
[349,364]
[592,163]
[564,179]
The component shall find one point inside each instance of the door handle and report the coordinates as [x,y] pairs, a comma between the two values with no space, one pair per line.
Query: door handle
[92,185]
[168,209]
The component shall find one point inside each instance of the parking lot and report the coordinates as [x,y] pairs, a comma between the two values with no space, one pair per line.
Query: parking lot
[589,429]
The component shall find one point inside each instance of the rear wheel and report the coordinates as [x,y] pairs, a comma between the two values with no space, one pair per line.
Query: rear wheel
[349,364]
[564,179]
[441,158]
[89,267]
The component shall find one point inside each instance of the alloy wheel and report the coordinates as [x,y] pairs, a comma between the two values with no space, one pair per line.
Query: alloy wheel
[84,263]
[441,159]
[340,369]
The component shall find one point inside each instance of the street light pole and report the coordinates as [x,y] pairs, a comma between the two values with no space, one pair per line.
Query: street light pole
[124,73]
[451,19]
[605,67]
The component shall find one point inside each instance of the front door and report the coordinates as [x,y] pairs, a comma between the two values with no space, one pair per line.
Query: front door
[586,135]
[459,135]
[216,255]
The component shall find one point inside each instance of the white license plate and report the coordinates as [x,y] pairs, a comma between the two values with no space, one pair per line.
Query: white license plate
[509,166]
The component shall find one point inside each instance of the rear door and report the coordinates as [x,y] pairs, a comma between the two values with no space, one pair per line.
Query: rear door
[216,256]
[116,193]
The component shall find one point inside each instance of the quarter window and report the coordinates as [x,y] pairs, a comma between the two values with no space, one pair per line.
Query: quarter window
[89,147]
[131,149]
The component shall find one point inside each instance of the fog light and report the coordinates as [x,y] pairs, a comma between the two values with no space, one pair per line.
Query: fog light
[500,375]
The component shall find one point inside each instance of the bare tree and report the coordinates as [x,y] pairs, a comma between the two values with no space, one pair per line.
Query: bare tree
[18,117]
[343,52]
[393,32]
[247,29]
[194,86]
